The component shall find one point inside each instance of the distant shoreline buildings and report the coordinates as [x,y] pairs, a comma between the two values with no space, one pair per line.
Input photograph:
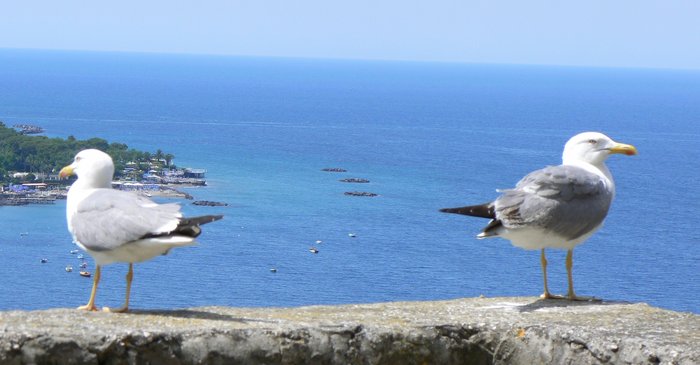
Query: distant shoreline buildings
[47,188]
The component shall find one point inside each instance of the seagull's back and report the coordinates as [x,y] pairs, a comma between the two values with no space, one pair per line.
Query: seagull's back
[558,206]
[108,218]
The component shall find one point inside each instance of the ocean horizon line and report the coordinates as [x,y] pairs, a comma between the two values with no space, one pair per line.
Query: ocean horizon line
[351,60]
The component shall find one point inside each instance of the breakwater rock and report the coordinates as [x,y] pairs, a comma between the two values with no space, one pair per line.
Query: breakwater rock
[354,180]
[209,203]
[463,331]
[29,129]
[334,169]
[360,193]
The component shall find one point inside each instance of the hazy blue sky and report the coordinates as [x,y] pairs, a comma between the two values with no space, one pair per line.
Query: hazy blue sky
[633,33]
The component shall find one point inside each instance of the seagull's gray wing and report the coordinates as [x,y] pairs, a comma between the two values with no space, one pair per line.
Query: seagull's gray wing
[107,219]
[566,200]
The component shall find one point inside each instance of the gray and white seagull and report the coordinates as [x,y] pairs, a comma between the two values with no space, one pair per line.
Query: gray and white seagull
[557,206]
[119,226]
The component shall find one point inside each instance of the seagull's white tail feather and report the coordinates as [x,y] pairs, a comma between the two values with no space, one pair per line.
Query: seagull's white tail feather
[141,250]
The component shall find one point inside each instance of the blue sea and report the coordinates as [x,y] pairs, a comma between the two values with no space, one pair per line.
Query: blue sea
[426,135]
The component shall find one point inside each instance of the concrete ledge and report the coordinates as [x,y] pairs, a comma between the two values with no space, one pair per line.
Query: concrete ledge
[464,331]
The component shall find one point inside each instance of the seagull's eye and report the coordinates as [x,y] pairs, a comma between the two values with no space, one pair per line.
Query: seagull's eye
[592,141]
[77,158]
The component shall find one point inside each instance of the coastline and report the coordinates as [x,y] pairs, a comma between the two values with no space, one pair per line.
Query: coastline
[59,192]
[166,191]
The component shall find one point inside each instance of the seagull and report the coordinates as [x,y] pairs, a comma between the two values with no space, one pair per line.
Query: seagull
[118,226]
[558,206]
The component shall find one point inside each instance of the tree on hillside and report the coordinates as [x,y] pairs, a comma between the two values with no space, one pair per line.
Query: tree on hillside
[168,159]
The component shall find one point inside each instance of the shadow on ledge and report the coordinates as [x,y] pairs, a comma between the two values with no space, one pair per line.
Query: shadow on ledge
[564,303]
[193,314]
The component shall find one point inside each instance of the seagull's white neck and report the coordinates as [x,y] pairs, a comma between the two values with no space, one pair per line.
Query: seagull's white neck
[93,181]
[85,185]
[79,190]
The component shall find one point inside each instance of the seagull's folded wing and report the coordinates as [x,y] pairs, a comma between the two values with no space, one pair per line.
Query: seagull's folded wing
[566,200]
[106,219]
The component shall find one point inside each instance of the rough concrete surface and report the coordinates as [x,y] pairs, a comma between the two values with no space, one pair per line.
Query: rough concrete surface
[463,331]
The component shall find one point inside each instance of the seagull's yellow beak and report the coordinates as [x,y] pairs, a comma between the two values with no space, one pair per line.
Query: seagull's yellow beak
[626,149]
[65,172]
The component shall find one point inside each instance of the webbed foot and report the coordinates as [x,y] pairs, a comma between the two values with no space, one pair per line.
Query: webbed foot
[88,307]
[115,310]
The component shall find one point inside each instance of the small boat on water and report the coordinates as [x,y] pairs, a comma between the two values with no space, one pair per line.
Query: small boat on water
[80,257]
[24,234]
[43,261]
[83,265]
[73,252]
[352,235]
[85,273]
[69,268]
[313,250]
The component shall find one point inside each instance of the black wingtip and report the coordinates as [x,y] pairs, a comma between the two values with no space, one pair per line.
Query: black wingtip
[213,218]
[188,226]
[482,210]
[204,219]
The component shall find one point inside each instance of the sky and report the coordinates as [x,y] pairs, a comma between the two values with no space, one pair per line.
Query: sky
[601,33]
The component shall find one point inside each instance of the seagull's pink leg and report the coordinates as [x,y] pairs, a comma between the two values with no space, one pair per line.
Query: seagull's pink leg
[90,306]
[125,307]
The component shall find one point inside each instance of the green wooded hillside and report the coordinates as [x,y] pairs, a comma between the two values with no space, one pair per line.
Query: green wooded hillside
[41,154]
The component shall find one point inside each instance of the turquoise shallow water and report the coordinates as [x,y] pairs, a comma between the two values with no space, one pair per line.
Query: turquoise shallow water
[426,135]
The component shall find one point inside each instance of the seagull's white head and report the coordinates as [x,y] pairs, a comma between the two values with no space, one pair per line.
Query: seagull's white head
[94,169]
[593,148]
